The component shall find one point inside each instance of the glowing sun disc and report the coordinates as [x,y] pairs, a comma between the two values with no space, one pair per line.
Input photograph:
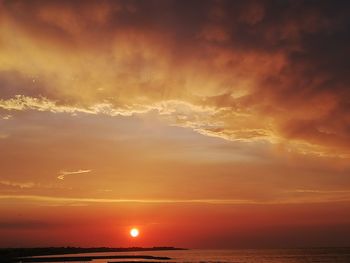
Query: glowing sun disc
[134,232]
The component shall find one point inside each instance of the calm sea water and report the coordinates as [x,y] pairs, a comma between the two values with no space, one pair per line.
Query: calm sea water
[327,255]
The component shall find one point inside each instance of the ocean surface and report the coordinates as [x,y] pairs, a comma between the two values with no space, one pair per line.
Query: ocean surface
[324,255]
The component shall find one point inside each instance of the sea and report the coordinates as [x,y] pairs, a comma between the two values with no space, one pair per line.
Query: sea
[310,255]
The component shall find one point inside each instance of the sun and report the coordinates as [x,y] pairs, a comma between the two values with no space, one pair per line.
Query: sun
[134,232]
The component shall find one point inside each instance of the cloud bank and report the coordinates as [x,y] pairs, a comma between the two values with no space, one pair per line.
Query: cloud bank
[238,70]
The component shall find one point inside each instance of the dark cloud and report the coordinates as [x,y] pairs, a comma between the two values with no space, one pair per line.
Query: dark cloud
[294,55]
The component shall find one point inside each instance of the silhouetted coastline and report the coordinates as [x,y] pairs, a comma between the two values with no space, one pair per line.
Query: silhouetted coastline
[19,254]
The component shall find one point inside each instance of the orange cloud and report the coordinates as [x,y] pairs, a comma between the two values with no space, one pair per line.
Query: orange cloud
[62,174]
[258,76]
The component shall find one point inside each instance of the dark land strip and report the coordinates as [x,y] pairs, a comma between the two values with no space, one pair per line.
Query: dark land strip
[138,262]
[9,255]
[88,258]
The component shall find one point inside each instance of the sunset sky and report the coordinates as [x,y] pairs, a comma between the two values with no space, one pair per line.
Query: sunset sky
[206,124]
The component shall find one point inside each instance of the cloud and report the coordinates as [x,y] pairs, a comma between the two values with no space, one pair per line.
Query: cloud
[293,200]
[62,174]
[314,191]
[238,70]
[6,117]
[12,186]
[104,200]
[4,136]
[22,185]
[20,103]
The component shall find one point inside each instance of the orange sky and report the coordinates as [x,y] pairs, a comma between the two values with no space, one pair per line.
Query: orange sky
[204,123]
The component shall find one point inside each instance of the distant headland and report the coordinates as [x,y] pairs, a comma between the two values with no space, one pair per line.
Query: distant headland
[19,254]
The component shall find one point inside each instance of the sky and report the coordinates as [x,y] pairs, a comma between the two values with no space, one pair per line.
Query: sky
[206,124]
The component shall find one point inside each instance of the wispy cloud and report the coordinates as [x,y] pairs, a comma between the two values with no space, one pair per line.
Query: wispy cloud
[111,200]
[6,117]
[316,191]
[4,136]
[21,103]
[21,185]
[85,201]
[62,174]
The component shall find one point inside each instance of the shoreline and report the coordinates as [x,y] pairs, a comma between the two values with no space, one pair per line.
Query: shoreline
[89,258]
[25,254]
